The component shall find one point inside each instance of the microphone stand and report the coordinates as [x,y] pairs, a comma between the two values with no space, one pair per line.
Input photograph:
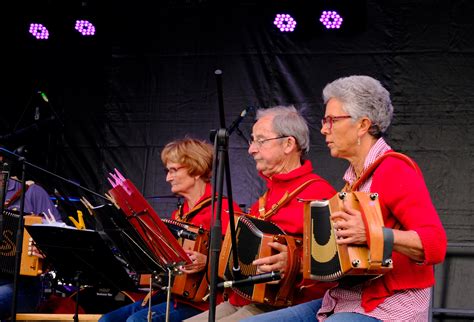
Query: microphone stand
[242,135]
[19,158]
[221,157]
[5,175]
[19,239]
[19,235]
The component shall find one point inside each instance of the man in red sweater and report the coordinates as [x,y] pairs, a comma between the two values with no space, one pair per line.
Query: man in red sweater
[280,139]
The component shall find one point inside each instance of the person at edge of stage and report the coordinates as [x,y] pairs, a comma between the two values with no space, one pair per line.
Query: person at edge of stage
[358,113]
[280,140]
[188,166]
[37,202]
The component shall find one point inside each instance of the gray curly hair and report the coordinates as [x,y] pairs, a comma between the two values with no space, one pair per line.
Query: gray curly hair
[363,96]
[287,121]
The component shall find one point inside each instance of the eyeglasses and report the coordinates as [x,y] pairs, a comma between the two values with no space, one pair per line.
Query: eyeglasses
[172,171]
[259,142]
[329,120]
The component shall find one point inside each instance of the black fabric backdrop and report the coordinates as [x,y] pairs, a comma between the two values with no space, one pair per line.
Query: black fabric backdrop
[148,78]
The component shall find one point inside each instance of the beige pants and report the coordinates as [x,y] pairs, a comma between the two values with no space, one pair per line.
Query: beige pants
[226,312]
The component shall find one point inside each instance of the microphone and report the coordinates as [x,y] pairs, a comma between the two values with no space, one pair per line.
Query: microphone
[181,233]
[257,279]
[43,96]
[186,234]
[239,119]
[22,150]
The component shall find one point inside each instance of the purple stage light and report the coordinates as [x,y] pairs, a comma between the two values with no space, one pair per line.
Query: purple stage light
[85,27]
[331,20]
[39,31]
[285,22]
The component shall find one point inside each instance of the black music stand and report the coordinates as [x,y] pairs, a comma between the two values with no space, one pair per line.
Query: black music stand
[126,239]
[81,257]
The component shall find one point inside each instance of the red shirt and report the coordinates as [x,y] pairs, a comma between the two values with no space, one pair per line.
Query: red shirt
[204,217]
[404,199]
[290,216]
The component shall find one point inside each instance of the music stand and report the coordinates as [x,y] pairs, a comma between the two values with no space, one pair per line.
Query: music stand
[80,256]
[125,238]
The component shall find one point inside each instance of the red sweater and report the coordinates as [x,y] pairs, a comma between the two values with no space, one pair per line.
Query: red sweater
[203,217]
[404,198]
[290,217]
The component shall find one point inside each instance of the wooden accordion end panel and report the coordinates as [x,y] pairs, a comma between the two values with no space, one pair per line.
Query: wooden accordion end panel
[253,236]
[324,260]
[30,265]
[190,286]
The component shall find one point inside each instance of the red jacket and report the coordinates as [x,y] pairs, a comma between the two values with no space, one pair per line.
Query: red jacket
[290,217]
[203,217]
[404,199]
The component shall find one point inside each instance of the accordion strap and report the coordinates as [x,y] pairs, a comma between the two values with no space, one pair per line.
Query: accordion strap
[377,242]
[367,173]
[15,197]
[193,212]
[287,197]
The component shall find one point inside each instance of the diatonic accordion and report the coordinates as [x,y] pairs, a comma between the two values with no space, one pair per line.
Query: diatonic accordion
[253,236]
[324,259]
[30,265]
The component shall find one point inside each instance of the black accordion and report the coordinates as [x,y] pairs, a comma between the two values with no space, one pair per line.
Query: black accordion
[253,236]
[30,265]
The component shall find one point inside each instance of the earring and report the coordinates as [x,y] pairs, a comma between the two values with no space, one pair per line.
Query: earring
[358,140]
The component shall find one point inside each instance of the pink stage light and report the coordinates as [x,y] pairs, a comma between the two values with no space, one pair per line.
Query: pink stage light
[86,28]
[39,31]
[331,20]
[285,22]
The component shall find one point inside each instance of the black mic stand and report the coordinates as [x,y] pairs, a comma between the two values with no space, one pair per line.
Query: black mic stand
[5,175]
[19,239]
[221,157]
[19,235]
[242,135]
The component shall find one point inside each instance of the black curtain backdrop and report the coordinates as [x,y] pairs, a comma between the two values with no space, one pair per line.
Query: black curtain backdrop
[148,78]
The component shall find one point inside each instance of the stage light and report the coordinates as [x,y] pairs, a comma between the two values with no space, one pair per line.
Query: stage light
[331,19]
[285,22]
[39,31]
[85,27]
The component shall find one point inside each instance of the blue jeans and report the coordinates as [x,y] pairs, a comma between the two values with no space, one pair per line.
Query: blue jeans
[136,312]
[306,312]
[28,292]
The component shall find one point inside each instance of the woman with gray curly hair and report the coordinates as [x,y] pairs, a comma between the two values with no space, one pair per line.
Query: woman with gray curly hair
[358,113]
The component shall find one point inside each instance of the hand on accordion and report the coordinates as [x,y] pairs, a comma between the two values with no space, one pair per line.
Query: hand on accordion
[35,251]
[349,226]
[198,262]
[276,262]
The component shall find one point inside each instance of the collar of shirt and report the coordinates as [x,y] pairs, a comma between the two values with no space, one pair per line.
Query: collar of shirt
[379,148]
[305,168]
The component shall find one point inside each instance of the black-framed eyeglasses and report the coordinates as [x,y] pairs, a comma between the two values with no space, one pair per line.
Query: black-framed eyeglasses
[172,171]
[259,142]
[329,120]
